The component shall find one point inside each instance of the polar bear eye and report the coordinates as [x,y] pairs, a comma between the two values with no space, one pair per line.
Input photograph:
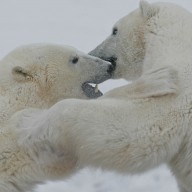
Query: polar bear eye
[115,30]
[75,60]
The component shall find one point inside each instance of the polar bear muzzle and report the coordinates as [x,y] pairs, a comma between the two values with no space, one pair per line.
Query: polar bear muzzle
[93,92]
[111,59]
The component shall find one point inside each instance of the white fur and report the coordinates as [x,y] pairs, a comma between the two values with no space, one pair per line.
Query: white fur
[38,76]
[126,134]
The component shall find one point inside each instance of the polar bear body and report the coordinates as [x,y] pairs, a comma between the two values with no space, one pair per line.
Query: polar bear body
[39,75]
[152,36]
[126,134]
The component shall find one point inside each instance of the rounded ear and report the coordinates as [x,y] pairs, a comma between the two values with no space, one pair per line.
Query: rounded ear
[20,74]
[147,10]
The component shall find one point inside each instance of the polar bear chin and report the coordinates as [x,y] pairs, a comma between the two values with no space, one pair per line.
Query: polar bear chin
[90,91]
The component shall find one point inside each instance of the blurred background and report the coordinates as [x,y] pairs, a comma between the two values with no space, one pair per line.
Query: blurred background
[82,24]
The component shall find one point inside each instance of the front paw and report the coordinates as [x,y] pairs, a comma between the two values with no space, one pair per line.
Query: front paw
[161,81]
[31,128]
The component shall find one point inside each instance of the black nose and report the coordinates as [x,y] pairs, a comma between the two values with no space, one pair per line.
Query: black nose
[113,61]
[112,67]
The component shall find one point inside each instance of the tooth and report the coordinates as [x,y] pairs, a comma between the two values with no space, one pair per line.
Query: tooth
[96,88]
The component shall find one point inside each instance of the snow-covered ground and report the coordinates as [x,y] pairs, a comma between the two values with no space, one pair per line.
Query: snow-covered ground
[82,24]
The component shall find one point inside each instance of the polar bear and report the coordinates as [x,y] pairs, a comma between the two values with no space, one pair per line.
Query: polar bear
[121,132]
[35,75]
[39,75]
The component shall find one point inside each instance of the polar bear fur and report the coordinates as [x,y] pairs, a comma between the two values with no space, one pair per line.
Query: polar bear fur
[35,75]
[39,75]
[119,132]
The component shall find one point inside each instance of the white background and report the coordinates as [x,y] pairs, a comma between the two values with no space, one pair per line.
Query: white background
[82,24]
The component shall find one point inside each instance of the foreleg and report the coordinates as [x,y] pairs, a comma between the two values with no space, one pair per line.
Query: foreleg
[154,83]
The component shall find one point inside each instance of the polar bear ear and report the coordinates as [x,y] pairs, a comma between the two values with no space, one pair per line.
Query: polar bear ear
[147,10]
[20,74]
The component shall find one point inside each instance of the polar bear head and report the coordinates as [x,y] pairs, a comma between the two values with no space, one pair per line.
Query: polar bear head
[40,75]
[126,46]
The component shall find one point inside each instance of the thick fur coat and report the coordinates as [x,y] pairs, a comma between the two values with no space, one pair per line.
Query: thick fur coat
[39,76]
[123,131]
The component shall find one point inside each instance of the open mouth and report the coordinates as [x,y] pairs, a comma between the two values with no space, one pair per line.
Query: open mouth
[91,90]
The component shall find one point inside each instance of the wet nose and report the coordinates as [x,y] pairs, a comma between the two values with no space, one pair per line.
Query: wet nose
[110,69]
[113,61]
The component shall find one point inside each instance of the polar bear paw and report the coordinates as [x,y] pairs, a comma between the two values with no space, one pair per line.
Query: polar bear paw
[31,128]
[156,82]
[37,138]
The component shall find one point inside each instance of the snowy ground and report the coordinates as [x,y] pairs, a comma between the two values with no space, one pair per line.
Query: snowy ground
[82,24]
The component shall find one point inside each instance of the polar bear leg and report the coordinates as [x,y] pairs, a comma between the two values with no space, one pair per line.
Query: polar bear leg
[128,155]
[156,82]
[131,148]
[153,83]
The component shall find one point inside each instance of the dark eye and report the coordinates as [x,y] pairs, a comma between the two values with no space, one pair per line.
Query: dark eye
[115,30]
[75,60]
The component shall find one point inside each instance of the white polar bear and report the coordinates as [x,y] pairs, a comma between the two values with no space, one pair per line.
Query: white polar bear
[118,131]
[40,75]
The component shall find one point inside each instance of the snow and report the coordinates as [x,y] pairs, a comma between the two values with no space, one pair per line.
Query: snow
[159,180]
[82,24]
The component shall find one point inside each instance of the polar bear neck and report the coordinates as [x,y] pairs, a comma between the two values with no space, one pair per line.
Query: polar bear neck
[158,34]
[12,101]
